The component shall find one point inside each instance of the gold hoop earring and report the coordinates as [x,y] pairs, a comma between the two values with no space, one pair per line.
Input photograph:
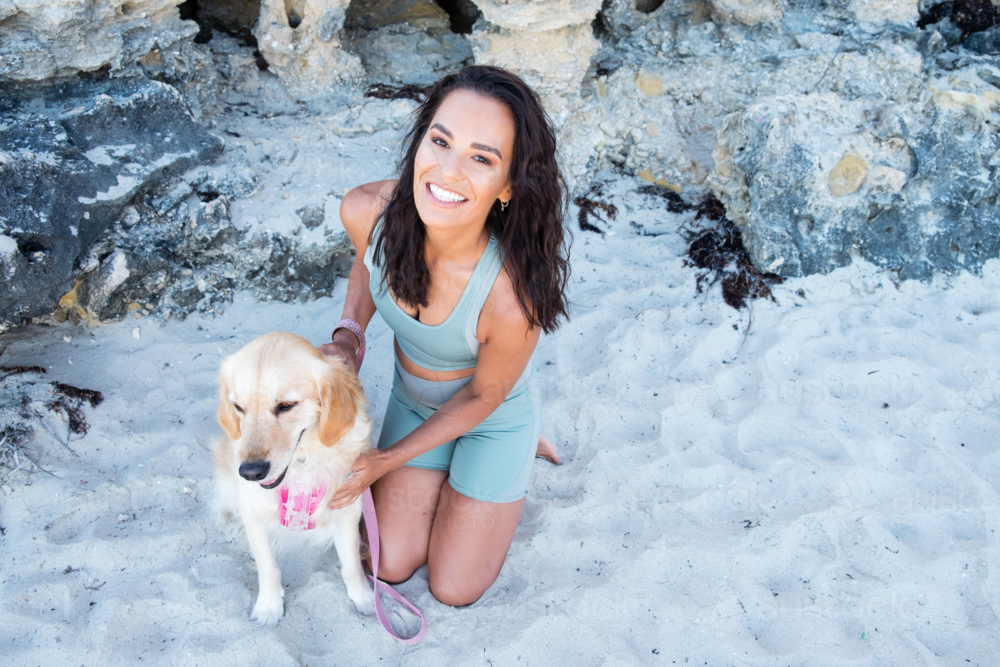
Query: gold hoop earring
[504,204]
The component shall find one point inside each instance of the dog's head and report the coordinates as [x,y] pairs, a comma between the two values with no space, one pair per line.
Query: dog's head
[272,392]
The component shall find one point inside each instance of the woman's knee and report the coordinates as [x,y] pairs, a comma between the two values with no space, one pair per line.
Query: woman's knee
[396,572]
[399,560]
[455,592]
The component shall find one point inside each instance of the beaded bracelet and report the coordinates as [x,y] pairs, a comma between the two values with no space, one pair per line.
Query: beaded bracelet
[355,329]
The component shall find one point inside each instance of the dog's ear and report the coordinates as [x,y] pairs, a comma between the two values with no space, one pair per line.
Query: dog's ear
[226,415]
[340,395]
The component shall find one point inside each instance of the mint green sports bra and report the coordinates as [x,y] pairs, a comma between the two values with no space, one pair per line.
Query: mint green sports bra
[451,345]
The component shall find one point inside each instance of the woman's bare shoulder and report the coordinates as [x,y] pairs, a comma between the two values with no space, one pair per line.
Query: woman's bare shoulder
[361,207]
[502,310]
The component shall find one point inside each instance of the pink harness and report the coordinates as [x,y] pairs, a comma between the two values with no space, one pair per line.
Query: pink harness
[295,510]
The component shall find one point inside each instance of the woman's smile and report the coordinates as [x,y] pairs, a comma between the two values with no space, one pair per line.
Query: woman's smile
[443,196]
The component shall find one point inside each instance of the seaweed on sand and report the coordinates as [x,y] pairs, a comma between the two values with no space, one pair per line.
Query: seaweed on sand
[719,252]
[589,206]
[69,400]
[24,398]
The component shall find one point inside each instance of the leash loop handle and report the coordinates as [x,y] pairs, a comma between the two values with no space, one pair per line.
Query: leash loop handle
[371,522]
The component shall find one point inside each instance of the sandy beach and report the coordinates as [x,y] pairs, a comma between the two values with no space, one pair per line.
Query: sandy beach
[812,480]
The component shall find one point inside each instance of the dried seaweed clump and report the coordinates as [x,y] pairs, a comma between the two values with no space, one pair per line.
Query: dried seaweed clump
[590,206]
[68,400]
[719,251]
[410,91]
[28,401]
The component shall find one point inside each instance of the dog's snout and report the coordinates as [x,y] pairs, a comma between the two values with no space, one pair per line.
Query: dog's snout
[254,471]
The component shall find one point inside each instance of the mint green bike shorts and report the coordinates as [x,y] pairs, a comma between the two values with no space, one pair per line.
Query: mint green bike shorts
[491,462]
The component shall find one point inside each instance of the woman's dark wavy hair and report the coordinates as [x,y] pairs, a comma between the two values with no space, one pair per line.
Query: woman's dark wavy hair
[530,232]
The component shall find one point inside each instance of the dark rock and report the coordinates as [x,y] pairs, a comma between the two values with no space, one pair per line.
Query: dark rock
[235,17]
[986,43]
[236,181]
[187,297]
[171,197]
[311,216]
[989,77]
[951,32]
[74,155]
[974,15]
[210,236]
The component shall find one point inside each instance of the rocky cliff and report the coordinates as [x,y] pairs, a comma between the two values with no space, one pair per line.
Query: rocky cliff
[830,129]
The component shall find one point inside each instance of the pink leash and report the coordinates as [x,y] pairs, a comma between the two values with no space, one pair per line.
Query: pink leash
[371,522]
[368,512]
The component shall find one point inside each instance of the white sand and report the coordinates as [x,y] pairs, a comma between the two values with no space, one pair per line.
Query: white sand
[820,490]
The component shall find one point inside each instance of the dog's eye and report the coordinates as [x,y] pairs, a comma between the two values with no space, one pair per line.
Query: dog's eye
[238,408]
[284,407]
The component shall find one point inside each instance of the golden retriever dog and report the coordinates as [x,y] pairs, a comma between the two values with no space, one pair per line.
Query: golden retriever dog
[294,420]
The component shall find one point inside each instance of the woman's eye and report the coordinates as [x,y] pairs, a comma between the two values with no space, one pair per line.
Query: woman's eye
[440,142]
[482,160]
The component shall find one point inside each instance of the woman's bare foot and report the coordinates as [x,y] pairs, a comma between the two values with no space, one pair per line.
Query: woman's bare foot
[547,450]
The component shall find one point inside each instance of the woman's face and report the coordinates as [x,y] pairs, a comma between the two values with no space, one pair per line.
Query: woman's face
[462,164]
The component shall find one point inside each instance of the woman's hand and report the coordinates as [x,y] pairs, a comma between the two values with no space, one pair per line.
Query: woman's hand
[366,470]
[342,350]
[344,345]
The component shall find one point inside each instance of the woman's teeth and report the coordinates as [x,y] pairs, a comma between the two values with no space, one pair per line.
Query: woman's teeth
[445,195]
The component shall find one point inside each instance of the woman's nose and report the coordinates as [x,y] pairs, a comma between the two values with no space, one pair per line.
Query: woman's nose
[450,165]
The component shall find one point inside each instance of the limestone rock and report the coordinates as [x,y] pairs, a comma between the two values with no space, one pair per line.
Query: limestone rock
[811,180]
[878,13]
[549,43]
[9,258]
[552,62]
[42,39]
[72,157]
[404,41]
[848,175]
[886,179]
[709,67]
[405,54]
[649,84]
[301,41]
[750,12]
[92,295]
[538,15]
[376,14]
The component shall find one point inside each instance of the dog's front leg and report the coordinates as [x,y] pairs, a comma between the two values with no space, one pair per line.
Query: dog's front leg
[269,607]
[348,544]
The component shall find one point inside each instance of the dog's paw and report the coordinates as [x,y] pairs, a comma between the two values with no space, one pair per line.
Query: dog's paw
[364,601]
[268,612]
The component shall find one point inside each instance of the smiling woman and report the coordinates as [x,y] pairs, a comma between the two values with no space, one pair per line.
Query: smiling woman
[465,258]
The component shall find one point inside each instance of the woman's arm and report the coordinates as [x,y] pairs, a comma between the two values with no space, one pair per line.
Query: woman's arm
[507,342]
[358,212]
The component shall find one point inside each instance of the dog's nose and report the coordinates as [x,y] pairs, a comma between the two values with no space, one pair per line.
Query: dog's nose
[254,471]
